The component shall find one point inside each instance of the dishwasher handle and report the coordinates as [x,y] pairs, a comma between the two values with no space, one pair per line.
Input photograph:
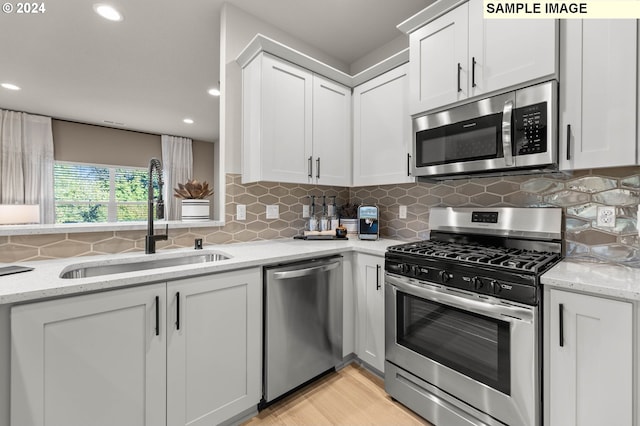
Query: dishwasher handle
[305,272]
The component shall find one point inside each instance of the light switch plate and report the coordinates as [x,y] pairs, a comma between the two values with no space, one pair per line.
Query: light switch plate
[305,211]
[606,216]
[402,214]
[273,211]
[241,212]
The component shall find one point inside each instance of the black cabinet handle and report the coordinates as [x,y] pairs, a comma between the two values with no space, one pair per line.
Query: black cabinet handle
[408,164]
[473,72]
[318,168]
[157,315]
[568,141]
[561,322]
[459,69]
[310,167]
[377,277]
[178,310]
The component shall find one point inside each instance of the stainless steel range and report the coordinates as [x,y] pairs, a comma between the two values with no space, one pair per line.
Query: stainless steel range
[462,315]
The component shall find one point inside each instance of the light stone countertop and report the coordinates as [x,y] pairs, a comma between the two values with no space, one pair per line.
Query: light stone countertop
[45,282]
[600,279]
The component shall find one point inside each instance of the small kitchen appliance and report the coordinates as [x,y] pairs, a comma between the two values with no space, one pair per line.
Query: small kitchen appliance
[462,315]
[506,133]
[368,228]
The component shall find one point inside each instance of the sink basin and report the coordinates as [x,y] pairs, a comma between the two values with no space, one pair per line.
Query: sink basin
[118,268]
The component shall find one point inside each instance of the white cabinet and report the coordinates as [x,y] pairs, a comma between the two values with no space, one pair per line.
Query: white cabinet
[331,133]
[382,130]
[98,359]
[296,125]
[590,360]
[370,310]
[461,55]
[137,357]
[214,347]
[599,83]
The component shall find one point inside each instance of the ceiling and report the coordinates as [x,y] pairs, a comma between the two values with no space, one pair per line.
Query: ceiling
[152,70]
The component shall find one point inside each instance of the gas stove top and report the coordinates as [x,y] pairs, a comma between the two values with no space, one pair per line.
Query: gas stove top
[502,257]
[501,252]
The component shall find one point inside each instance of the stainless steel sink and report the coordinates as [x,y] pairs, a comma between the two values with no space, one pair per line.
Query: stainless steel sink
[118,268]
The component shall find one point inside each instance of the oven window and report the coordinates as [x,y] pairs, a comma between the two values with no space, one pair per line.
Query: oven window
[472,344]
[470,140]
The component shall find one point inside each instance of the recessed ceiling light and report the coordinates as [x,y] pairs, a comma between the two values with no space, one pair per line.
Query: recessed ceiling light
[107,12]
[214,92]
[188,121]
[10,86]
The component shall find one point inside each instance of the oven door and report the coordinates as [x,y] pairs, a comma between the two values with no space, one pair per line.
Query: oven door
[471,348]
[469,138]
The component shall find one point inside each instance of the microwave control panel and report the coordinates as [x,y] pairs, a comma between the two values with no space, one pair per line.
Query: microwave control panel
[530,129]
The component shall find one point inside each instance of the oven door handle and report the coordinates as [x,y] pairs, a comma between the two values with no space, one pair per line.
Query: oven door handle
[506,133]
[506,313]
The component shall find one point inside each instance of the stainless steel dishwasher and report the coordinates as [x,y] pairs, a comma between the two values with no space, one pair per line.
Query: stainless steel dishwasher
[302,323]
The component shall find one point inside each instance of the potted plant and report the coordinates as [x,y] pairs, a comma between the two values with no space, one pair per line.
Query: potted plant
[194,206]
[348,214]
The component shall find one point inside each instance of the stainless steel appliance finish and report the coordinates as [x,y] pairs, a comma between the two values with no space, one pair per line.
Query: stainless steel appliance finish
[303,323]
[462,331]
[505,133]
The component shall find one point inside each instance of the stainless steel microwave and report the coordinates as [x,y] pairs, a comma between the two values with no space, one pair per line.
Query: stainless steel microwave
[506,133]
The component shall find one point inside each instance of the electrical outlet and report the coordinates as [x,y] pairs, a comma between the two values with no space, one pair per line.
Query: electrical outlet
[273,211]
[305,211]
[402,214]
[606,216]
[241,212]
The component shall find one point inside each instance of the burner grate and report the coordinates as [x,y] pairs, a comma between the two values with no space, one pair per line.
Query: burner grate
[503,257]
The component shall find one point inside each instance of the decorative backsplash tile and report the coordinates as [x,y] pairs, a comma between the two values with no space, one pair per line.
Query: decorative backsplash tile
[579,195]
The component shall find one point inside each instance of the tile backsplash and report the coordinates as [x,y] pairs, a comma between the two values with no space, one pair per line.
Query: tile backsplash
[579,195]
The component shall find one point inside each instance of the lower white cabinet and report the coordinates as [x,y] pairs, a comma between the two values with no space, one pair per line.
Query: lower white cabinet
[137,357]
[590,369]
[369,278]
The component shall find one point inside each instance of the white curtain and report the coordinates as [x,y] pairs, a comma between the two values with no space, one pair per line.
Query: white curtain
[177,164]
[26,161]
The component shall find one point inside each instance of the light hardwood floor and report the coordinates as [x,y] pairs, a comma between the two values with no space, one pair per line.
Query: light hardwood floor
[352,396]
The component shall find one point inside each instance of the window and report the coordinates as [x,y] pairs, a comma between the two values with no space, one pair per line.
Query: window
[95,193]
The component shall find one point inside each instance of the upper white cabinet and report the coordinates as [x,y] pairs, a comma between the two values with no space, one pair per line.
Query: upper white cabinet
[295,124]
[598,83]
[331,132]
[382,130]
[591,367]
[461,55]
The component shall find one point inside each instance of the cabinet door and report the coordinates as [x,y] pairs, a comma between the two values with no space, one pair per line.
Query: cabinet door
[509,52]
[382,130]
[599,82]
[95,360]
[370,312]
[331,133]
[438,58]
[214,350]
[591,365]
[286,148]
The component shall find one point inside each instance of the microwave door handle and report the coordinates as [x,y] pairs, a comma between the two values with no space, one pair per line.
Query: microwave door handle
[506,133]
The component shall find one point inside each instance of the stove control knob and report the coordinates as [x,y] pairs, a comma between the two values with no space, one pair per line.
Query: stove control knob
[415,270]
[445,276]
[404,268]
[476,283]
[495,287]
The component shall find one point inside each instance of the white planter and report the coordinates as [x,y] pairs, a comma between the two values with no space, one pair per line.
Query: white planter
[351,225]
[195,210]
